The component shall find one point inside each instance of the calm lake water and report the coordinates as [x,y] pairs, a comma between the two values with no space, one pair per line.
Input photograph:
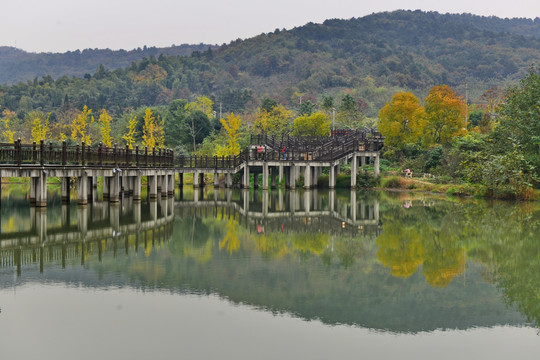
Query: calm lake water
[279,275]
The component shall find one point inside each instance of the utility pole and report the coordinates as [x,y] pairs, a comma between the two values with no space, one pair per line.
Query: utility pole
[221,117]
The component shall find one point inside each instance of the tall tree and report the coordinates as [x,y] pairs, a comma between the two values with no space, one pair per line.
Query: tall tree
[231,125]
[105,128]
[349,115]
[402,120]
[315,124]
[202,103]
[149,129]
[7,121]
[129,136]
[40,125]
[198,126]
[445,116]
[81,125]
[275,122]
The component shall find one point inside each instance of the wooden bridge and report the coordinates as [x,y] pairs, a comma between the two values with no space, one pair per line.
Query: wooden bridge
[122,169]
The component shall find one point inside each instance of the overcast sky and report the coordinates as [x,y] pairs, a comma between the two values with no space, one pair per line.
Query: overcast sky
[62,25]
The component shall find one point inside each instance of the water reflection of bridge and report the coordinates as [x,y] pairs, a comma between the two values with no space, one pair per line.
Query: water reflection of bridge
[98,228]
[290,210]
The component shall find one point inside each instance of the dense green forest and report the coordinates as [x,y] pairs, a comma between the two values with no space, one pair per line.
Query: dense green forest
[370,58]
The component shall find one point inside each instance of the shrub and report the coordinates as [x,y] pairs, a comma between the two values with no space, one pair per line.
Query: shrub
[366,180]
[392,183]
[343,181]
[323,181]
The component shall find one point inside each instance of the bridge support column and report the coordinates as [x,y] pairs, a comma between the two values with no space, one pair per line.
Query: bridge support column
[362,161]
[265,203]
[196,179]
[307,177]
[332,201]
[280,174]
[33,189]
[292,177]
[152,183]
[82,220]
[315,176]
[114,195]
[245,178]
[376,165]
[171,185]
[332,177]
[164,186]
[228,180]
[354,206]
[65,189]
[354,171]
[216,180]
[41,189]
[265,176]
[137,189]
[307,202]
[82,189]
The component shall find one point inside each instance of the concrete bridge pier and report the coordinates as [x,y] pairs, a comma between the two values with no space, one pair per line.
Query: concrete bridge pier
[376,166]
[245,178]
[171,185]
[228,180]
[354,171]
[307,177]
[82,189]
[332,177]
[164,186]
[33,189]
[41,189]
[216,180]
[137,189]
[114,195]
[265,176]
[196,179]
[354,205]
[153,191]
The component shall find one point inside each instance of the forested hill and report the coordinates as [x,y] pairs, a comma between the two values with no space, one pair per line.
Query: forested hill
[18,65]
[369,57]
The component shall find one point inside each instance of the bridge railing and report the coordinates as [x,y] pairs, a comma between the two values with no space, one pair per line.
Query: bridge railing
[42,154]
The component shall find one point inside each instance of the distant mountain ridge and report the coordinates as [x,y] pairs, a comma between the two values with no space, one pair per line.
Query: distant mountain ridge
[18,65]
[369,58]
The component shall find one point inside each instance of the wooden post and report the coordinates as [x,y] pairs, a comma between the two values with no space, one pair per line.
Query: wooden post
[41,152]
[64,153]
[34,153]
[83,147]
[137,155]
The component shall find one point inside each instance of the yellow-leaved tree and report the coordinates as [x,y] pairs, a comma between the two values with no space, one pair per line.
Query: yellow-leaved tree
[81,125]
[105,122]
[149,128]
[315,124]
[402,120]
[7,120]
[129,137]
[445,116]
[274,122]
[40,125]
[231,125]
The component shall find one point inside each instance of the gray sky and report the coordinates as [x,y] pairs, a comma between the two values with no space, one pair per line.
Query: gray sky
[62,25]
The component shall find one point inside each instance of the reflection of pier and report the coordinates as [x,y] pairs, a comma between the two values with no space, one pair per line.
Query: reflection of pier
[98,228]
[273,209]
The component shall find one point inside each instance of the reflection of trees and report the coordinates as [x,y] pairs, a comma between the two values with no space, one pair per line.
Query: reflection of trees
[231,241]
[421,236]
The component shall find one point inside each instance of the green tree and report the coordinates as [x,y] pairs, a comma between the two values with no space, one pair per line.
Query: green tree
[348,115]
[306,108]
[198,126]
